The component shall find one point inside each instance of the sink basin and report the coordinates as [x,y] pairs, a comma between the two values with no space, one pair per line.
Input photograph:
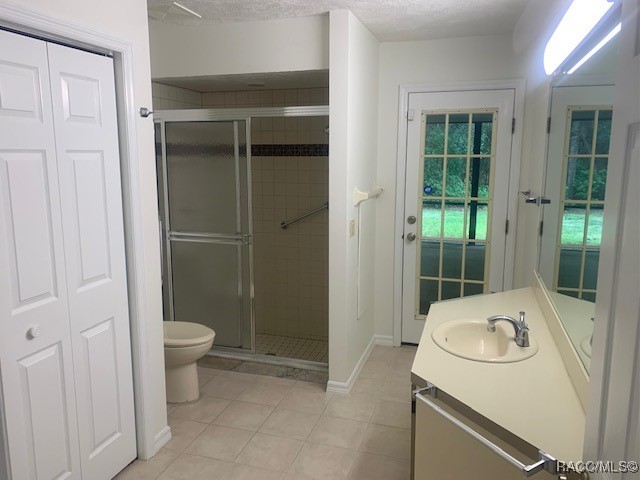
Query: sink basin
[468,338]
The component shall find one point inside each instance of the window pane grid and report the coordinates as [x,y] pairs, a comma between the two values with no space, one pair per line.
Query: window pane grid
[460,165]
[580,222]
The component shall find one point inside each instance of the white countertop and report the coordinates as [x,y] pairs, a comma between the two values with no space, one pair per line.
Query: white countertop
[534,399]
[577,318]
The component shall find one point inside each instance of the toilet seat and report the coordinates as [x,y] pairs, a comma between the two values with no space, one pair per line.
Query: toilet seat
[186,334]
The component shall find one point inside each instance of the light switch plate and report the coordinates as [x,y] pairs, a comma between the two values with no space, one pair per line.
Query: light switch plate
[352,227]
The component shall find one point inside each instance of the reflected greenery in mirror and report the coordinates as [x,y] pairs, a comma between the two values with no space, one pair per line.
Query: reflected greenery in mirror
[581,116]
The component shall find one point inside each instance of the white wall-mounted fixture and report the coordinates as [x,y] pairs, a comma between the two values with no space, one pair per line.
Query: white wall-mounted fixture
[586,27]
[359,196]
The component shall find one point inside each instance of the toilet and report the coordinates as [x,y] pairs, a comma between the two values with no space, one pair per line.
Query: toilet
[184,344]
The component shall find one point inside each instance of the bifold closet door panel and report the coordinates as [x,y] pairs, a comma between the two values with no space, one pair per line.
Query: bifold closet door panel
[84,110]
[35,345]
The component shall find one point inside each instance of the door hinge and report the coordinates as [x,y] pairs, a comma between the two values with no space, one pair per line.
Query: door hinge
[548,124]
[541,229]
[410,115]
[506,226]
[513,125]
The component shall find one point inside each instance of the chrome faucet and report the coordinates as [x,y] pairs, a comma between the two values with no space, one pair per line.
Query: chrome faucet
[520,326]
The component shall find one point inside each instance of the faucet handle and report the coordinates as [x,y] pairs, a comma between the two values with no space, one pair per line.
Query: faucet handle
[522,321]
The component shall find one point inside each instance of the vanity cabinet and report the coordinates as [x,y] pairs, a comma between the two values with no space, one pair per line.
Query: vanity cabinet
[445,452]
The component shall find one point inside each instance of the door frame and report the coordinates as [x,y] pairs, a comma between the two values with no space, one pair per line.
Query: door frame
[519,86]
[23,20]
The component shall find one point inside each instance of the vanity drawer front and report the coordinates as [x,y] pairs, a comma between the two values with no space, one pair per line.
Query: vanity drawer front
[445,452]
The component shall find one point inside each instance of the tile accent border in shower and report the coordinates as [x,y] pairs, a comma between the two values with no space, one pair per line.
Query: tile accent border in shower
[290,150]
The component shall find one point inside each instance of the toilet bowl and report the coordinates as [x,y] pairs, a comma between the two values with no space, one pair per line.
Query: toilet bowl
[184,344]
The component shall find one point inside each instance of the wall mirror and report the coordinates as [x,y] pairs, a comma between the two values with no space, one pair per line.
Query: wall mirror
[580,113]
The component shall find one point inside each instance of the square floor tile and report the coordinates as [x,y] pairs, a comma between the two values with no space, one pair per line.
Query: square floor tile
[245,472]
[247,416]
[305,400]
[353,407]
[270,452]
[191,467]
[375,369]
[225,386]
[323,462]
[377,467]
[290,423]
[393,414]
[149,469]
[222,443]
[397,390]
[383,354]
[264,393]
[183,432]
[389,441]
[367,386]
[206,409]
[339,432]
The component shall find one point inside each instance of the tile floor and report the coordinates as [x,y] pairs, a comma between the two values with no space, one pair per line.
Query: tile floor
[290,347]
[258,427]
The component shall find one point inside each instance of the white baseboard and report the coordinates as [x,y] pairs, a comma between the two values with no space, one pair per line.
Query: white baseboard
[384,340]
[343,388]
[162,439]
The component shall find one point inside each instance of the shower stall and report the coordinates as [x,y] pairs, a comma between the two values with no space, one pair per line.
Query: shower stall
[242,212]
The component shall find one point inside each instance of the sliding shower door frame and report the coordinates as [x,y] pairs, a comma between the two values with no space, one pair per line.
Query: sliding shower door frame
[162,117]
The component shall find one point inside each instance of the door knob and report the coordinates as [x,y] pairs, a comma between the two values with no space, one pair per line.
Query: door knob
[411,236]
[33,332]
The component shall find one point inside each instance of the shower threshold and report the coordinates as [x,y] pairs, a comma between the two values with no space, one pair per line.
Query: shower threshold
[247,356]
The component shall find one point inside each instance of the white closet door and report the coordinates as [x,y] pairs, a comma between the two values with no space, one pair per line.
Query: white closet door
[35,344]
[84,109]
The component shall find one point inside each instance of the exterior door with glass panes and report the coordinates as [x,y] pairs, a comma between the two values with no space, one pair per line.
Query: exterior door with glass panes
[575,185]
[456,199]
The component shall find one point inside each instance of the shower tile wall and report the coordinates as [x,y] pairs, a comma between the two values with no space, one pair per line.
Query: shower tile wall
[267,98]
[166,97]
[291,266]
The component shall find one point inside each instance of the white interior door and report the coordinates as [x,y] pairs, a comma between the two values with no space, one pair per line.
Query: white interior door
[65,358]
[35,343]
[456,199]
[84,111]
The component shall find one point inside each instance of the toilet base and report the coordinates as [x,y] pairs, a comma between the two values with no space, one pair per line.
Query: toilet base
[182,383]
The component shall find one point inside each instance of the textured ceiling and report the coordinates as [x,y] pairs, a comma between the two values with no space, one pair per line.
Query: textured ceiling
[389,20]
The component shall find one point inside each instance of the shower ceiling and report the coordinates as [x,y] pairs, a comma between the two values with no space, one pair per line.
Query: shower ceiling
[388,20]
[251,81]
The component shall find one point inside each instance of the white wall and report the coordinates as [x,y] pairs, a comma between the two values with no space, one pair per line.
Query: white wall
[293,44]
[352,163]
[422,62]
[127,20]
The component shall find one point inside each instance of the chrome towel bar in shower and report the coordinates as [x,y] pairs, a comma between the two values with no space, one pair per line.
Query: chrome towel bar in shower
[546,462]
[285,223]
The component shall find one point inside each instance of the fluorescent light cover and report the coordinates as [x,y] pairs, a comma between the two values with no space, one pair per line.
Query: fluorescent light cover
[576,24]
[187,9]
[593,51]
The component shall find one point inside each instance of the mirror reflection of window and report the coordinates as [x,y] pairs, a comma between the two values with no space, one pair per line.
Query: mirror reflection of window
[585,157]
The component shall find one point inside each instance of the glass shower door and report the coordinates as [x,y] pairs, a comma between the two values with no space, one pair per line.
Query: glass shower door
[204,183]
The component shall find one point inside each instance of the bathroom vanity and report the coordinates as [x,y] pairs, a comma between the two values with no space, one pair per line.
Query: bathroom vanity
[502,415]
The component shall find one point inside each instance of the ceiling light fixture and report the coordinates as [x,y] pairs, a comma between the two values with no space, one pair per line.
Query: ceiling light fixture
[187,9]
[593,51]
[576,27]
